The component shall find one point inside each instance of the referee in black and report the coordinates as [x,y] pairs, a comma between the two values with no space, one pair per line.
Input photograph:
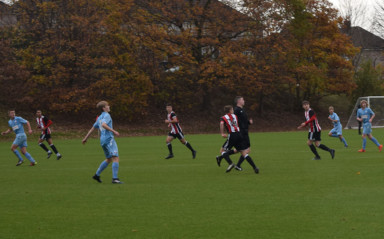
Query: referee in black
[243,125]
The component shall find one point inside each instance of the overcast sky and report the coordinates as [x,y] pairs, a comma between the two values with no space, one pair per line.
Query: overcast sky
[367,18]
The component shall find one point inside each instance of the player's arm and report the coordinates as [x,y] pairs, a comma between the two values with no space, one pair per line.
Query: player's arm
[6,132]
[105,126]
[373,116]
[223,134]
[359,117]
[312,117]
[29,127]
[174,120]
[88,134]
[47,122]
[301,126]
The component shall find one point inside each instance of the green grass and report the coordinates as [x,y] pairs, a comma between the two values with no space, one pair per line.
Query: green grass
[292,197]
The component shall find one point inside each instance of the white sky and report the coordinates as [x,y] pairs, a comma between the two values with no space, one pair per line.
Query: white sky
[366,19]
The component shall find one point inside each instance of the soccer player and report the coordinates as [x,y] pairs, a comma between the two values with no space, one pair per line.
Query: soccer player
[43,123]
[234,139]
[16,125]
[175,132]
[244,123]
[107,141]
[314,135]
[337,130]
[366,115]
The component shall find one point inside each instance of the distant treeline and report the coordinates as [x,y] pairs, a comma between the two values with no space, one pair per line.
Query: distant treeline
[64,56]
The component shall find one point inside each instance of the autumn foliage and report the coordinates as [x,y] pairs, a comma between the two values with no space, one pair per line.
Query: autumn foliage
[64,56]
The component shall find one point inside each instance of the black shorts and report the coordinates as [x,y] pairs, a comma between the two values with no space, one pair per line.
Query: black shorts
[179,135]
[314,136]
[45,136]
[235,140]
[247,142]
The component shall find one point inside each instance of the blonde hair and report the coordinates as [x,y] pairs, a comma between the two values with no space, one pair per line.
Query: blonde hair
[362,101]
[101,105]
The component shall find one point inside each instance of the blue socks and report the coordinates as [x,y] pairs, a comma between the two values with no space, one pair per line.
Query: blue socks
[375,141]
[115,169]
[18,155]
[29,157]
[364,142]
[102,166]
[345,142]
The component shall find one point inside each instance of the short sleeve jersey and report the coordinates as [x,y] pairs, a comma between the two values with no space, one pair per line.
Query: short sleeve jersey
[175,127]
[231,123]
[242,117]
[334,116]
[105,135]
[365,114]
[311,119]
[17,125]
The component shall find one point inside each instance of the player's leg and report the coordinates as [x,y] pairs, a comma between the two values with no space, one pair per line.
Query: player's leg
[169,145]
[339,133]
[343,140]
[114,153]
[374,140]
[367,130]
[317,137]
[53,147]
[333,133]
[312,147]
[42,145]
[364,137]
[103,164]
[23,150]
[249,160]
[186,143]
[115,170]
[247,144]
[18,155]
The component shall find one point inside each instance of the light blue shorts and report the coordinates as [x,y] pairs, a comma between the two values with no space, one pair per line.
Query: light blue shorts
[20,140]
[367,128]
[110,149]
[337,130]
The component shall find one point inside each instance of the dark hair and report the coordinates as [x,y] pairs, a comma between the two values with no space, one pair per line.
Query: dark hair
[305,102]
[228,108]
[168,104]
[237,98]
[11,110]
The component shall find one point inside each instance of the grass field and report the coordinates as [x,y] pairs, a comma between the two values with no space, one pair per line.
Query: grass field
[292,197]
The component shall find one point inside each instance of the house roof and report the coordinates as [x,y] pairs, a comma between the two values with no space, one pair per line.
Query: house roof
[365,39]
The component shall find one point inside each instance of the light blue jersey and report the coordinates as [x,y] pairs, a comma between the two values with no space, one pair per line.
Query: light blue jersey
[105,135]
[337,127]
[365,114]
[107,140]
[334,116]
[17,125]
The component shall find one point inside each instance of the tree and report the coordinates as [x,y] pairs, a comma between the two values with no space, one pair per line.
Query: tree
[369,80]
[319,54]
[78,53]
